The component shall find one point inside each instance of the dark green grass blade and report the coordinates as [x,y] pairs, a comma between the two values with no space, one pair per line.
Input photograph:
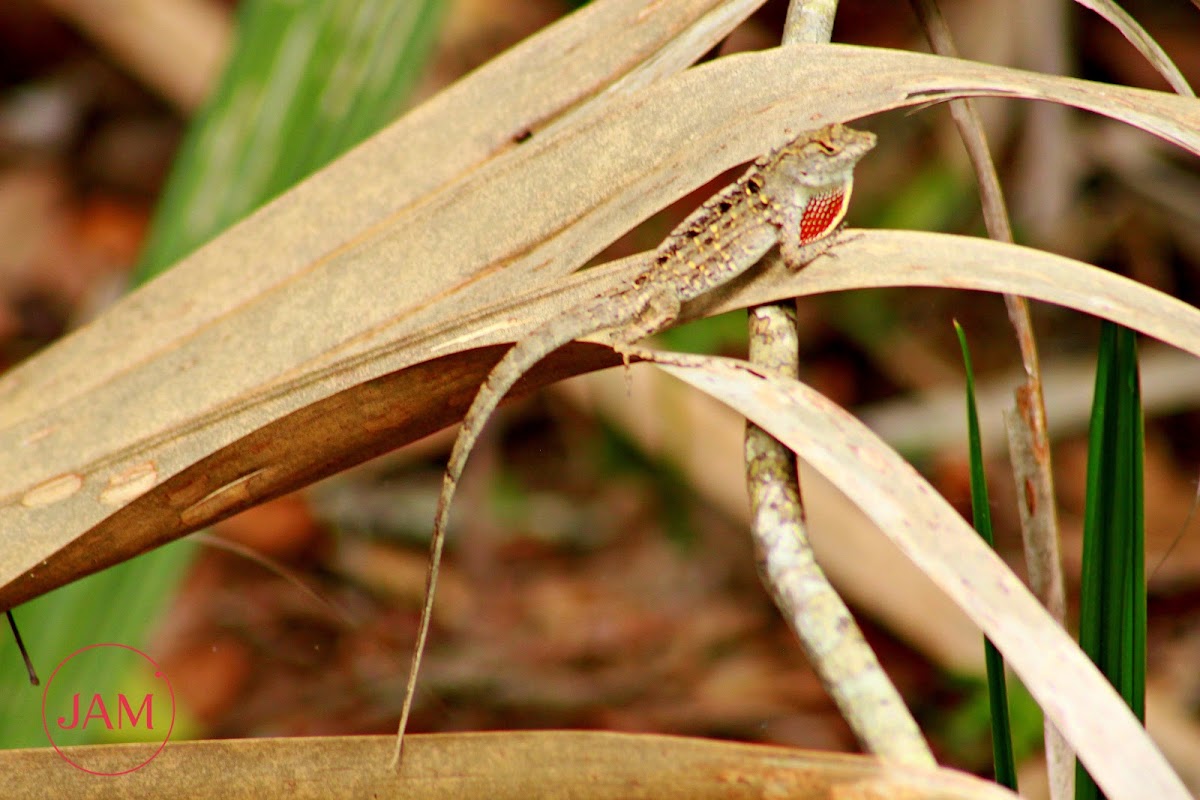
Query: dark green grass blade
[1112,608]
[1002,749]
[305,82]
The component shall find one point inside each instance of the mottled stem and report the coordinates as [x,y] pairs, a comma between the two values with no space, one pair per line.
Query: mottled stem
[842,659]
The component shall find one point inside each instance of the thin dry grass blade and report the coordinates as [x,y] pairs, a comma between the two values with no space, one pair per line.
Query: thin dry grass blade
[1137,36]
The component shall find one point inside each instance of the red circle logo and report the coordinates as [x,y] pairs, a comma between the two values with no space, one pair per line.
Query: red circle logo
[108,693]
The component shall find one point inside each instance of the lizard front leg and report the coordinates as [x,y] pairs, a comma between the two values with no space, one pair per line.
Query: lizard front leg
[797,255]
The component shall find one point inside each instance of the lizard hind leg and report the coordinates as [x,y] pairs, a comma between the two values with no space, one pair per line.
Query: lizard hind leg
[657,313]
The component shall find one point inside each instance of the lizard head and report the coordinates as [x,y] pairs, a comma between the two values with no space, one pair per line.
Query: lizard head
[816,173]
[822,159]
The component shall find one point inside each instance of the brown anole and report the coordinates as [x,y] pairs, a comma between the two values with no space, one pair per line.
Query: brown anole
[795,196]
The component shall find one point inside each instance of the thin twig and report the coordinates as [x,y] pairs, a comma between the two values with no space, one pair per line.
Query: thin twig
[273,566]
[12,623]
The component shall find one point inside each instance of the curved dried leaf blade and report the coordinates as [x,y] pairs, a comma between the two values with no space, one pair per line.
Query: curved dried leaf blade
[1151,50]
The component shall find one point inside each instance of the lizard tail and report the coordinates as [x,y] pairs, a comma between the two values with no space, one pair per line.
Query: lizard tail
[515,363]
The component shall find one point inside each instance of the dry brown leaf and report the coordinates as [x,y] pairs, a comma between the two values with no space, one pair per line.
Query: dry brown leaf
[486,765]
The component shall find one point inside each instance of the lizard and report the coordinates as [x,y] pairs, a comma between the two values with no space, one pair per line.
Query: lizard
[795,196]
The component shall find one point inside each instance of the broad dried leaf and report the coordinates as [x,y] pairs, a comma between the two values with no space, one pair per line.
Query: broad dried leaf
[301,342]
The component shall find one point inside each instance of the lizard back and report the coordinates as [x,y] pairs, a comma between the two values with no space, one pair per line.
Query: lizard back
[800,190]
